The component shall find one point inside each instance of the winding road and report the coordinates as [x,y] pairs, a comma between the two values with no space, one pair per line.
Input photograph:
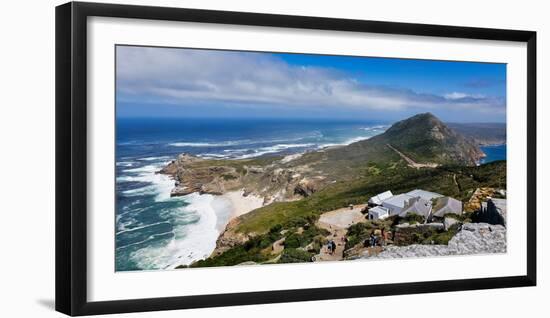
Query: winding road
[411,162]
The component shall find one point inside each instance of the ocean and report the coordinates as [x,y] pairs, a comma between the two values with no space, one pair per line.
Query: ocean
[155,231]
[494,153]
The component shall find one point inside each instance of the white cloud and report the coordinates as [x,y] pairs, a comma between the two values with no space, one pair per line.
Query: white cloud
[188,77]
[455,95]
[458,95]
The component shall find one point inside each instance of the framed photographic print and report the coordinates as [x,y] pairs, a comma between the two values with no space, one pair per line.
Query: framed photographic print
[209,158]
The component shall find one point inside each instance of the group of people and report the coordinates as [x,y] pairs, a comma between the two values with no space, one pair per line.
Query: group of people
[331,246]
[376,238]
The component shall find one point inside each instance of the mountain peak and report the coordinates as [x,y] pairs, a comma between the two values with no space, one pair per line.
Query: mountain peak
[426,138]
[426,115]
[419,121]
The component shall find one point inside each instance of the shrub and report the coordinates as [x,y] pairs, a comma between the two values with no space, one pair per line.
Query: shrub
[276,228]
[412,218]
[442,238]
[292,241]
[295,240]
[233,256]
[292,255]
[228,177]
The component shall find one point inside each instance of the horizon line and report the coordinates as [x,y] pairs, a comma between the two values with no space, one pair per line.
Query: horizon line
[296,118]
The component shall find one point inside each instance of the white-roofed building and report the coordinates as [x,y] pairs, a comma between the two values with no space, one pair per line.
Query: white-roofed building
[417,201]
[447,205]
[379,198]
[426,195]
[418,206]
[378,212]
[397,203]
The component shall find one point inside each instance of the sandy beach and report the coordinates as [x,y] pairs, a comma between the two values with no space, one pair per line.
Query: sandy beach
[241,204]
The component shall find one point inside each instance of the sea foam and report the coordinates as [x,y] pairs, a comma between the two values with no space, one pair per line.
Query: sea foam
[196,224]
[191,241]
[209,144]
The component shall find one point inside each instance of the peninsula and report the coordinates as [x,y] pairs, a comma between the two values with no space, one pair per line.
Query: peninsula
[310,199]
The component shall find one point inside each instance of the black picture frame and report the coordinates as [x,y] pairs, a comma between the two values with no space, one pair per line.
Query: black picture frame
[71,157]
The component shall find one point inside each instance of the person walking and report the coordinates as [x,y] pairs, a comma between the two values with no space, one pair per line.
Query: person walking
[372,239]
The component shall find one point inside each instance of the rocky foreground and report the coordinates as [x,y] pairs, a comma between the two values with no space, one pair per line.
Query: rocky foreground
[474,238]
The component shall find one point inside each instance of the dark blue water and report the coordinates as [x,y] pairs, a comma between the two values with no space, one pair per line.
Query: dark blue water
[494,153]
[155,231]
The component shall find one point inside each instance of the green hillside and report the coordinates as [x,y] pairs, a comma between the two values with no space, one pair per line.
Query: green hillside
[374,179]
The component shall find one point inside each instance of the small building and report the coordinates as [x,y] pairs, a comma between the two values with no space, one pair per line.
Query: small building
[379,198]
[397,203]
[426,195]
[378,212]
[446,205]
[419,206]
[418,201]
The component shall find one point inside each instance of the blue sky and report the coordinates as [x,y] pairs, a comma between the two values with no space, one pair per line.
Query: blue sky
[167,82]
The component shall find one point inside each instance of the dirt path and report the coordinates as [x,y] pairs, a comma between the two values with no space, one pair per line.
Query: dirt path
[411,162]
[338,254]
[278,246]
[456,183]
[337,223]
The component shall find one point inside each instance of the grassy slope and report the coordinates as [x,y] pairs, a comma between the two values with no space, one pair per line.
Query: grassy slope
[376,178]
[238,164]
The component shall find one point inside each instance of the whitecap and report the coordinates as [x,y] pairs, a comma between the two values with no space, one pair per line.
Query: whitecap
[344,143]
[375,128]
[124,164]
[149,168]
[140,227]
[267,150]
[158,184]
[356,139]
[150,238]
[154,158]
[209,144]
[191,242]
[213,156]
[147,190]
